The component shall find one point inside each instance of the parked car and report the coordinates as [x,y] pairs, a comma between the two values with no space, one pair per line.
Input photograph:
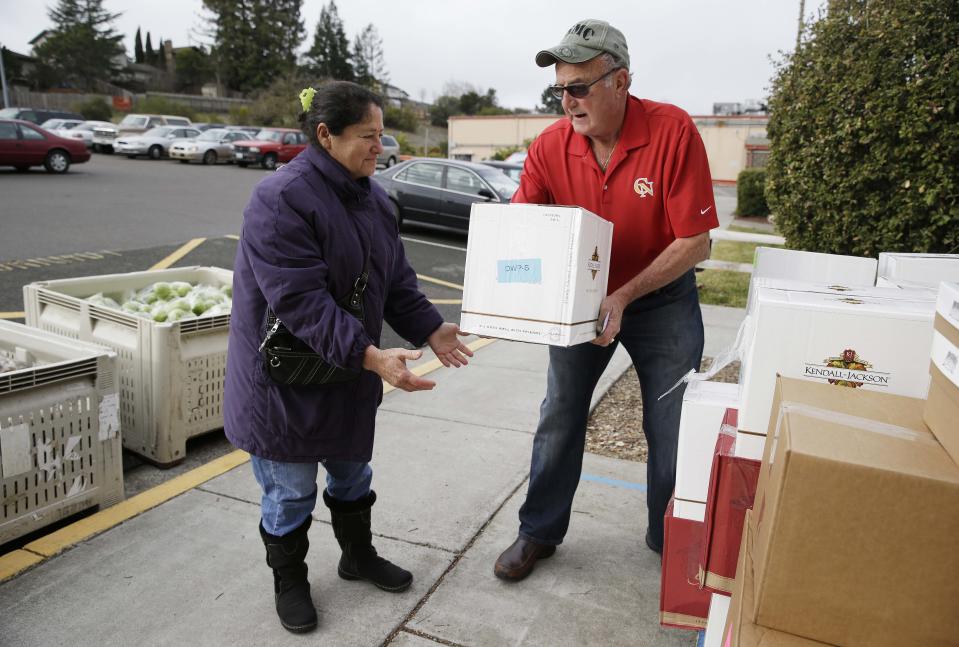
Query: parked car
[24,144]
[442,192]
[391,151]
[270,146]
[133,124]
[56,125]
[154,143]
[212,146]
[511,169]
[519,157]
[84,131]
[205,126]
[38,115]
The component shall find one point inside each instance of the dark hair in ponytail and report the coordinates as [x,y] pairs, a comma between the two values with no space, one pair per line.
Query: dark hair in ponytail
[337,104]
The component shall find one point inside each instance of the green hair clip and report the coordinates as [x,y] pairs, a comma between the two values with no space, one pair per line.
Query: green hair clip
[306,98]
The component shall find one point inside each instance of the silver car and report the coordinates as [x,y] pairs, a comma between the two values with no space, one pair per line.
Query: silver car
[83,131]
[211,146]
[154,143]
[391,151]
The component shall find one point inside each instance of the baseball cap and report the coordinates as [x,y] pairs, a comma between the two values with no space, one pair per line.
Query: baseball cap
[586,40]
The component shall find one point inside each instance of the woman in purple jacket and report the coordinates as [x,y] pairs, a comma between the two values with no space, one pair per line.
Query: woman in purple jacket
[310,230]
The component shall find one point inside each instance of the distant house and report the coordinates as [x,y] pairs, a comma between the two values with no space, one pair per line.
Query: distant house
[40,39]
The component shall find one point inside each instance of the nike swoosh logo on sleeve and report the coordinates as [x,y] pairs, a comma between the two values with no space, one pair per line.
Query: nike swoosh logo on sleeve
[702,212]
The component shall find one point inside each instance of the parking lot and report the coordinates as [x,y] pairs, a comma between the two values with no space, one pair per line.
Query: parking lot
[114,215]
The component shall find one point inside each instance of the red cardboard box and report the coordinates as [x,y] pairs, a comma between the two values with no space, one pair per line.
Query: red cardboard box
[682,603]
[732,490]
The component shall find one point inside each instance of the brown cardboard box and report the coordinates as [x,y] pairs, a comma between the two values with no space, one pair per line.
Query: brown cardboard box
[856,523]
[740,630]
[941,412]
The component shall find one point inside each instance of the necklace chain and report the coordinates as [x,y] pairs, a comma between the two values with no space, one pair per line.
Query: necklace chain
[603,165]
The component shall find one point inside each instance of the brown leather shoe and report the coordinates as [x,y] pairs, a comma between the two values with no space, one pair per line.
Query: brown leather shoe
[517,561]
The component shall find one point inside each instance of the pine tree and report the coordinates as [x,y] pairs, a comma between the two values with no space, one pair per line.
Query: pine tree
[138,47]
[368,59]
[149,56]
[254,41]
[329,57]
[83,45]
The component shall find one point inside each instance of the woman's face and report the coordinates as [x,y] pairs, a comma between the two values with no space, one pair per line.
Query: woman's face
[358,145]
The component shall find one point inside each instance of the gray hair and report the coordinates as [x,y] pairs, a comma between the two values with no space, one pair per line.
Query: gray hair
[611,62]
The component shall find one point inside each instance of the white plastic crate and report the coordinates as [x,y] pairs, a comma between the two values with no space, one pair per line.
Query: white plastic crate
[170,375]
[59,431]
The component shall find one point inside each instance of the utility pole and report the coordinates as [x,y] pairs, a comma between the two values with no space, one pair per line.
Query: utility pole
[3,81]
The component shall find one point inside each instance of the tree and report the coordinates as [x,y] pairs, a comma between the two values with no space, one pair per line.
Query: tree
[149,56]
[864,130]
[83,45]
[472,101]
[551,105]
[329,57]
[193,69]
[138,48]
[369,64]
[254,41]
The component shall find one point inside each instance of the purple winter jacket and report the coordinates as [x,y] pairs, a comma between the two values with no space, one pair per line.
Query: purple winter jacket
[300,251]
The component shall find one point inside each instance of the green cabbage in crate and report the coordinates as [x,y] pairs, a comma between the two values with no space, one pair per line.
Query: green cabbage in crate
[165,302]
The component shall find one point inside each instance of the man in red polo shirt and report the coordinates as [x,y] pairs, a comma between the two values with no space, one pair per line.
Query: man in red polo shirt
[641,165]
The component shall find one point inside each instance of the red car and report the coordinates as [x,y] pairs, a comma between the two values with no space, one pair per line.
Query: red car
[24,144]
[270,147]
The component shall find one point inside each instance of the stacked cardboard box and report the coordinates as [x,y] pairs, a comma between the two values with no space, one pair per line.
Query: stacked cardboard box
[916,270]
[941,413]
[682,604]
[732,489]
[854,522]
[704,406]
[832,335]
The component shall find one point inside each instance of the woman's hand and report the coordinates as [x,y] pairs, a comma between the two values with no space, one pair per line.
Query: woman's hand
[448,348]
[390,364]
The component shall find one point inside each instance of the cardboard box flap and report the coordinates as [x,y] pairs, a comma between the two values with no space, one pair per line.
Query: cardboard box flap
[901,303]
[947,302]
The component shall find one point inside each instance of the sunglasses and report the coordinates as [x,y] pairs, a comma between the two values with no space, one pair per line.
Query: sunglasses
[577,90]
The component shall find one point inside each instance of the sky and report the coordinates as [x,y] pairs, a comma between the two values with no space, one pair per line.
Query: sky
[688,52]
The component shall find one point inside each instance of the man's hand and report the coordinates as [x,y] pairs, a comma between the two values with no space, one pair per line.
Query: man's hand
[448,348]
[613,306]
[390,364]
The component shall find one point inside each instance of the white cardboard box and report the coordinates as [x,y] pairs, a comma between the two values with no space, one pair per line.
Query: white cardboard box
[792,264]
[947,303]
[875,339]
[704,406]
[919,269]
[535,273]
[691,510]
[716,622]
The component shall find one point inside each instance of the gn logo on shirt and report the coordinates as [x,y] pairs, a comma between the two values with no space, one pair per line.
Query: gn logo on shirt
[643,187]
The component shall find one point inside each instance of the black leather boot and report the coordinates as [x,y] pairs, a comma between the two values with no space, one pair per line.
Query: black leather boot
[351,525]
[286,555]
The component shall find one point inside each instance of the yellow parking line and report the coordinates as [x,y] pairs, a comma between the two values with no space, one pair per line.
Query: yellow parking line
[446,302]
[12,315]
[15,562]
[83,529]
[178,254]
[430,279]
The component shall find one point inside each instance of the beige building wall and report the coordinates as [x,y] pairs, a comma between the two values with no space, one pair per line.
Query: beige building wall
[478,138]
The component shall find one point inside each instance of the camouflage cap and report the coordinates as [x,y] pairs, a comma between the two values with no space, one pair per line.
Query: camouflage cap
[586,40]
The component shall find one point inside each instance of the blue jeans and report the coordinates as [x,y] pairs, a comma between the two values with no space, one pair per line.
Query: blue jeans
[289,489]
[663,334]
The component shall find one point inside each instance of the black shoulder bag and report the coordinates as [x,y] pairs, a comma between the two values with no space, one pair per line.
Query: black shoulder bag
[292,362]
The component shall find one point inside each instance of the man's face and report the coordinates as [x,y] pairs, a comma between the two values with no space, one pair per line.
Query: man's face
[595,114]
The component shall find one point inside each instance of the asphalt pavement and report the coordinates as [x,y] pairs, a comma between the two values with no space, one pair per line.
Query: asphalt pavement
[181,563]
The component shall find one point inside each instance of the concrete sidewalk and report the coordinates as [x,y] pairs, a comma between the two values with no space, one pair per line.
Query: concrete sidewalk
[450,471]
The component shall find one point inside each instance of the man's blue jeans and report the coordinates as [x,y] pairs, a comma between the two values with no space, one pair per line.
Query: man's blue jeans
[289,489]
[663,333]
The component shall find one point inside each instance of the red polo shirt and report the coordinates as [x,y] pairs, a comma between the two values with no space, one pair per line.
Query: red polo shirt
[657,187]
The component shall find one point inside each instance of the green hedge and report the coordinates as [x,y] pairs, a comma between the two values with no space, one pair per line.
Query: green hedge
[751,193]
[94,109]
[864,130]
